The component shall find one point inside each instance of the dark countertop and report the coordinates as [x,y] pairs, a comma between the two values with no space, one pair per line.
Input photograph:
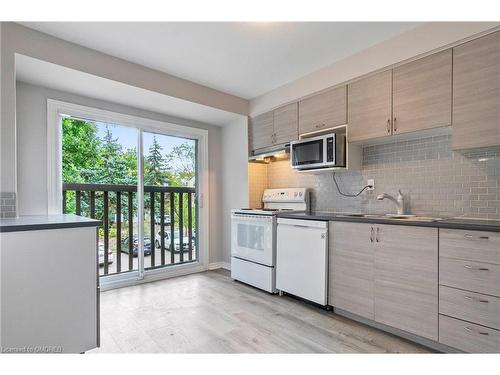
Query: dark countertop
[40,222]
[451,223]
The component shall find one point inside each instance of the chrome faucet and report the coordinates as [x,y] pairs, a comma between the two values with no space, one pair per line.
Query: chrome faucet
[400,201]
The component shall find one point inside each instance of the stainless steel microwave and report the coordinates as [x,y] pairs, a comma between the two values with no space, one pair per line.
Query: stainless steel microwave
[324,151]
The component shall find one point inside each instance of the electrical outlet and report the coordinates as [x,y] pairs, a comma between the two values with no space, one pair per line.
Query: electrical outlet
[371,182]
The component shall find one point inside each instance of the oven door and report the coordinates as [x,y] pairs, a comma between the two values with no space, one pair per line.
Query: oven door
[252,238]
[308,153]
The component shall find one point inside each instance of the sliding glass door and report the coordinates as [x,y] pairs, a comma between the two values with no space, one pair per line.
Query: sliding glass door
[143,185]
[170,180]
[99,172]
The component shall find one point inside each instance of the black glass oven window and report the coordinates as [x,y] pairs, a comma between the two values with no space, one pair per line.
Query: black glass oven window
[308,153]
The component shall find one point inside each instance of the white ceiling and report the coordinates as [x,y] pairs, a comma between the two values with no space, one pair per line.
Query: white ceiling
[57,77]
[243,59]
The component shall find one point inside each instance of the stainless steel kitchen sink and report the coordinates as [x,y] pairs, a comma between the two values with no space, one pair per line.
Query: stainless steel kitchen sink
[412,217]
[357,215]
[392,217]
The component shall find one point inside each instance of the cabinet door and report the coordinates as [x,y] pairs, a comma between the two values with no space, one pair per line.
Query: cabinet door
[323,111]
[476,93]
[261,131]
[286,124]
[422,93]
[370,107]
[406,279]
[351,268]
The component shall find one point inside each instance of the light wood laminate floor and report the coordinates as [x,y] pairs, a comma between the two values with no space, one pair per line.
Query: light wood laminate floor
[210,313]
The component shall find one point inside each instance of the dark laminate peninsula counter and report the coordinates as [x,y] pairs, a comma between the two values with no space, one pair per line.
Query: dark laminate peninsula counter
[450,223]
[40,222]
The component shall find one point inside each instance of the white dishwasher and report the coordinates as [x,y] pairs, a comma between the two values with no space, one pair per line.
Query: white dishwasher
[302,258]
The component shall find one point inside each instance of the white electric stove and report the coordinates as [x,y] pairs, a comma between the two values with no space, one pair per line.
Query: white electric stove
[253,236]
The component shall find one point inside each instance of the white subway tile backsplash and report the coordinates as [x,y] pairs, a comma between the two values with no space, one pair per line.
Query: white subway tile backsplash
[437,180]
[7,204]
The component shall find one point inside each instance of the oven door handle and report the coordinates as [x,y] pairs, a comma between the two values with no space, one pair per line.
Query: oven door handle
[243,218]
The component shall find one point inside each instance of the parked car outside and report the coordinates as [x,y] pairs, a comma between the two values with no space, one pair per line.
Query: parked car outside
[177,242]
[135,246]
[111,256]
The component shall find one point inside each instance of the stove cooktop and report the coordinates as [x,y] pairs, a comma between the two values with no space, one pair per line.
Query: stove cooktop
[262,211]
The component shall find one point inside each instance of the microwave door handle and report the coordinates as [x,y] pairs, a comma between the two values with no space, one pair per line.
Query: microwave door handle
[334,150]
[325,151]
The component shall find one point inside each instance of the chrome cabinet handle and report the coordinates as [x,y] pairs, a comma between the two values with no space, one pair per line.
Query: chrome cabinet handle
[476,299]
[371,235]
[389,126]
[469,267]
[395,124]
[471,237]
[376,237]
[468,329]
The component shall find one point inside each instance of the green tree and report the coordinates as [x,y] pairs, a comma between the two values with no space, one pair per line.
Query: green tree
[181,171]
[181,162]
[154,173]
[80,146]
[114,165]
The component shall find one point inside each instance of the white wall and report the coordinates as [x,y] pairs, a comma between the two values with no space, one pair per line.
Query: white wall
[8,118]
[32,152]
[17,39]
[421,40]
[234,177]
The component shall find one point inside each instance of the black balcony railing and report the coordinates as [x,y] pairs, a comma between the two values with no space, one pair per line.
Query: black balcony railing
[169,223]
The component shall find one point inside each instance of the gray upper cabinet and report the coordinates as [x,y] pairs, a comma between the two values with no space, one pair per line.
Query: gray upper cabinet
[261,131]
[406,279]
[422,93]
[274,128]
[476,93]
[286,124]
[370,107]
[411,97]
[323,111]
[351,268]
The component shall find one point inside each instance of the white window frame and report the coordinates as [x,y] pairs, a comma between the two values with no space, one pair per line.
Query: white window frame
[56,110]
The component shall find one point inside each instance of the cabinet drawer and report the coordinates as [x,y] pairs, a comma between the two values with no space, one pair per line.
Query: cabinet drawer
[468,275]
[470,245]
[468,337]
[473,307]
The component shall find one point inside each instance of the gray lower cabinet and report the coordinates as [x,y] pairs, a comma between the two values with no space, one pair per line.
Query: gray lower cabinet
[387,273]
[480,308]
[406,279]
[351,268]
[469,291]
[467,336]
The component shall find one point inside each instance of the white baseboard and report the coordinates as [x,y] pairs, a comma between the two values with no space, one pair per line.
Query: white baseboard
[216,265]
